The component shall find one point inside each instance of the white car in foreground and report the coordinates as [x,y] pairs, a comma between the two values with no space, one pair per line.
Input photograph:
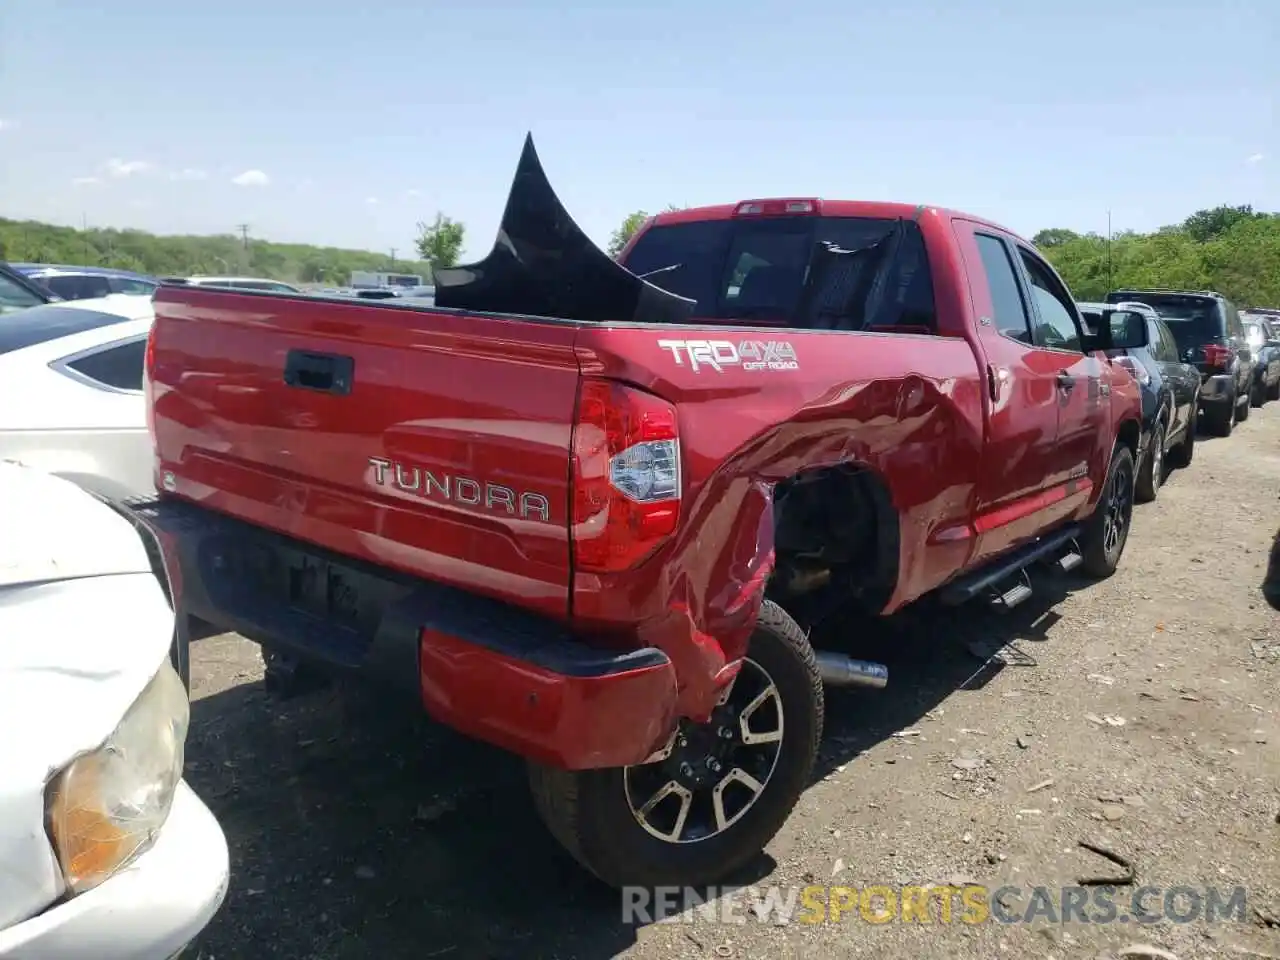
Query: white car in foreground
[105,852]
[71,400]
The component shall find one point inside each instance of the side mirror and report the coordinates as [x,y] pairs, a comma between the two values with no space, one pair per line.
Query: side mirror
[1125,329]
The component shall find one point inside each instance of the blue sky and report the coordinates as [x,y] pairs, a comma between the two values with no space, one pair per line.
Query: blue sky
[345,127]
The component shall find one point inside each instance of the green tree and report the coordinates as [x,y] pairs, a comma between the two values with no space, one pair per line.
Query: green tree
[1054,237]
[440,243]
[630,224]
[1205,225]
[622,236]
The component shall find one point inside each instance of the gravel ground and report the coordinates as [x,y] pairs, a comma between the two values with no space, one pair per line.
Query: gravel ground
[1139,715]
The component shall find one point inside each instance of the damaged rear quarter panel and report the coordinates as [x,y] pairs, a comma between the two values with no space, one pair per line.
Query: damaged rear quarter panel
[908,407]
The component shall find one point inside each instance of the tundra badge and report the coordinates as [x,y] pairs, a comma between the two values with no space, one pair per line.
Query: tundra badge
[465,491]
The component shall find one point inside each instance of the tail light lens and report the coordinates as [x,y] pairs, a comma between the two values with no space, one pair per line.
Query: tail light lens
[626,476]
[1216,355]
[1138,371]
[148,375]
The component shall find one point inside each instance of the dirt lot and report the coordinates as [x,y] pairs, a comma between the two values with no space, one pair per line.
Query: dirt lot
[1144,709]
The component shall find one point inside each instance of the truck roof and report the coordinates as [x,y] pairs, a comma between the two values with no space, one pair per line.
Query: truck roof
[828,208]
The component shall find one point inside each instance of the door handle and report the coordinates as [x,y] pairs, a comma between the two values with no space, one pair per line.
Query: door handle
[1066,382]
[322,372]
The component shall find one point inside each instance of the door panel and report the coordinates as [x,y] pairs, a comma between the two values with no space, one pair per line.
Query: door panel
[1083,448]
[1013,496]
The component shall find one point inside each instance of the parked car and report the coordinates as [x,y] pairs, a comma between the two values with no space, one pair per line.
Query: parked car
[105,852]
[574,524]
[87,283]
[1170,391]
[71,399]
[239,283]
[1263,339]
[1207,328]
[18,292]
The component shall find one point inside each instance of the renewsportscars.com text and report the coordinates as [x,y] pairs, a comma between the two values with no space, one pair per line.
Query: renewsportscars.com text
[971,904]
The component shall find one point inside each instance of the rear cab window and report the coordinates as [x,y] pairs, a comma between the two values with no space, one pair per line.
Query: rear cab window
[816,273]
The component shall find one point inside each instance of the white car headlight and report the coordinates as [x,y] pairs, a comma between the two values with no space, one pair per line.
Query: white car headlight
[106,807]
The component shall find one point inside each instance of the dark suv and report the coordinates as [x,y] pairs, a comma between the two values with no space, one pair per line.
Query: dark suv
[1209,334]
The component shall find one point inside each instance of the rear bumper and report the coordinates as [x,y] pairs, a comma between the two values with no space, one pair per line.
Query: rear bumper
[491,670]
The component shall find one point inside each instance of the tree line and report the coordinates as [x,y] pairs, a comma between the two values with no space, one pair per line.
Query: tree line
[1232,249]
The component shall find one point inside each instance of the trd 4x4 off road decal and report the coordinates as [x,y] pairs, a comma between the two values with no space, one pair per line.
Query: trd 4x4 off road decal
[718,354]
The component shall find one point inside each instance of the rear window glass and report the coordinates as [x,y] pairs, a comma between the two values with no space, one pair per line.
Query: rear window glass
[831,273]
[49,322]
[1190,319]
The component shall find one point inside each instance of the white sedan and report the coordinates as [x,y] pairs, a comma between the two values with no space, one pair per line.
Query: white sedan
[71,399]
[105,852]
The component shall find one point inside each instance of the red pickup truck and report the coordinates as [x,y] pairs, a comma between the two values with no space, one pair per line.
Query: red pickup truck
[569,507]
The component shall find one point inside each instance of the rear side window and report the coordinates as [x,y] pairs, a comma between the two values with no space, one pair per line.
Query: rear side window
[827,273]
[118,366]
[1006,299]
[78,288]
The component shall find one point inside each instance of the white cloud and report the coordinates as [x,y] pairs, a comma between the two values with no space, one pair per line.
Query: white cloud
[251,178]
[413,193]
[85,181]
[6,124]
[371,201]
[189,173]
[1255,158]
[126,168]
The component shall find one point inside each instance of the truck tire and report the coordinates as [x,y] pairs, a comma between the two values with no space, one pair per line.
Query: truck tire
[1107,530]
[1147,487]
[1185,452]
[1273,391]
[1244,407]
[659,824]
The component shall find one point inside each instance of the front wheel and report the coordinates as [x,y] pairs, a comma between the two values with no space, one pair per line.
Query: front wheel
[722,793]
[1273,391]
[1107,530]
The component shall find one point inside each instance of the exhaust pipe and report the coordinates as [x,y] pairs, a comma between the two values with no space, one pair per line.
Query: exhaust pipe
[838,670]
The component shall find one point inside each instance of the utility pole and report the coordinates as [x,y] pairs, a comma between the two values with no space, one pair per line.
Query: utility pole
[244,242]
[393,256]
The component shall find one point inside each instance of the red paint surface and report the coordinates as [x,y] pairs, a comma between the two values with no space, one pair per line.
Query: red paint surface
[493,398]
[571,722]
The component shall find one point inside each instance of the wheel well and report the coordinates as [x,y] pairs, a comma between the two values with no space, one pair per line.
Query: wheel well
[1130,434]
[836,533]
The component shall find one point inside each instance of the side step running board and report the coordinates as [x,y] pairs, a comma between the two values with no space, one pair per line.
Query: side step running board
[965,588]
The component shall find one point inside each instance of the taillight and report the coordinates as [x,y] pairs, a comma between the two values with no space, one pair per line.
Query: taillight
[626,475]
[148,379]
[1134,367]
[1216,355]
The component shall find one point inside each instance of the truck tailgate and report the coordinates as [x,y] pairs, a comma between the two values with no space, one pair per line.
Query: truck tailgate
[436,443]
